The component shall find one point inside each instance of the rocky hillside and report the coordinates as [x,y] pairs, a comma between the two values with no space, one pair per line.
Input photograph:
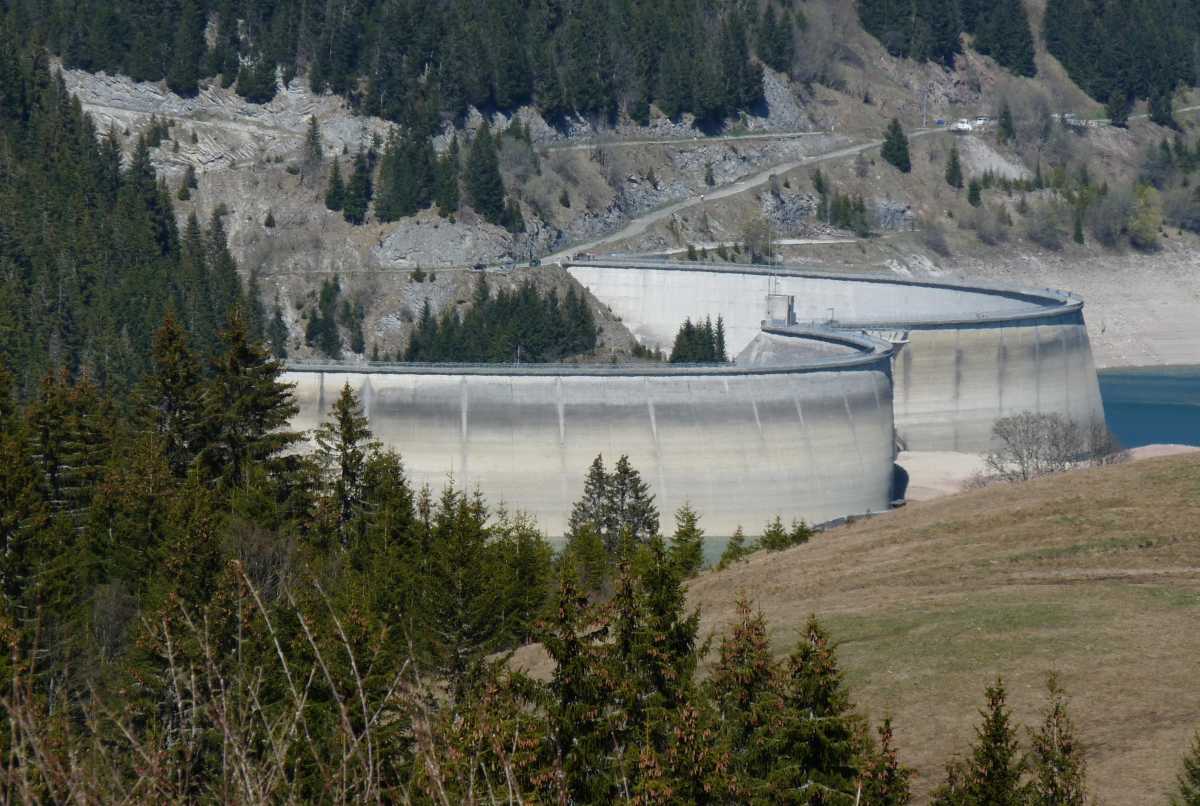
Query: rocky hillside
[746,186]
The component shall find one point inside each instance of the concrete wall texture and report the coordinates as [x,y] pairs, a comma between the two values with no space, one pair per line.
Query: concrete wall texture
[974,353]
[804,425]
[743,445]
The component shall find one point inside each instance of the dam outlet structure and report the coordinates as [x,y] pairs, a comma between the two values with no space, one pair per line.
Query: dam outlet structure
[972,353]
[800,426]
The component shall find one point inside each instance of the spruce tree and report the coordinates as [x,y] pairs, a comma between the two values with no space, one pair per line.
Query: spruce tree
[742,688]
[687,544]
[246,410]
[484,183]
[974,193]
[344,445]
[313,149]
[448,169]
[465,605]
[577,714]
[1007,129]
[814,740]
[187,50]
[1187,792]
[631,507]
[886,780]
[775,536]
[335,196]
[225,284]
[277,333]
[1057,758]
[358,191]
[895,147]
[992,774]
[954,174]
[593,509]
[735,550]
[169,401]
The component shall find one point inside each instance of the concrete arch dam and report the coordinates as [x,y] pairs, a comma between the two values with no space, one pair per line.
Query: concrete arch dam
[973,353]
[803,428]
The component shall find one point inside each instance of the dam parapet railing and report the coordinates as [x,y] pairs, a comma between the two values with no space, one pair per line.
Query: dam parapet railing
[867,350]
[1044,302]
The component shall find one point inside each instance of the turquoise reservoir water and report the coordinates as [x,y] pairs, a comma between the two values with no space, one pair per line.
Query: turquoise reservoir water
[1152,405]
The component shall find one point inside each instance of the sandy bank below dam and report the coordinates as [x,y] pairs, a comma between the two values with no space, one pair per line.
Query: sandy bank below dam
[1141,310]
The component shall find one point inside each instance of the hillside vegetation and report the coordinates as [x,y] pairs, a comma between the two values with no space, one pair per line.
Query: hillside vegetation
[1092,574]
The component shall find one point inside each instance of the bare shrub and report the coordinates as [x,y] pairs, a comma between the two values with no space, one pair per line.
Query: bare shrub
[1030,445]
[1182,209]
[934,237]
[1110,215]
[990,226]
[1044,225]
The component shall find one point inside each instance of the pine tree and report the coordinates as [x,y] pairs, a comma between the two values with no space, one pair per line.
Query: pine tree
[344,444]
[954,175]
[1188,781]
[687,544]
[484,183]
[1057,759]
[335,196]
[895,147]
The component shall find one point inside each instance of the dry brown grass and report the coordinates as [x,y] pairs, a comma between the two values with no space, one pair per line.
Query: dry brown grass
[1093,574]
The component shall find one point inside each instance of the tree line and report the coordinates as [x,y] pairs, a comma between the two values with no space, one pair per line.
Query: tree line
[700,343]
[1123,50]
[931,30]
[419,64]
[1118,51]
[410,177]
[506,326]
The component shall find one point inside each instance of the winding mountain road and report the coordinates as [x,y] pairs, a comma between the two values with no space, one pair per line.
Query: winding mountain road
[642,223]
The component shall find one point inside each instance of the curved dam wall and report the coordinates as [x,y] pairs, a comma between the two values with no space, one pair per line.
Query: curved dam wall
[973,353]
[813,440]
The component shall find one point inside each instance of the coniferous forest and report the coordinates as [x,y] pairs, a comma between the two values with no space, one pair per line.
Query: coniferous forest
[508,326]
[91,256]
[416,62]
[1118,50]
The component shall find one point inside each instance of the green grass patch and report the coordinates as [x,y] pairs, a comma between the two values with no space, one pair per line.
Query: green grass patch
[1091,547]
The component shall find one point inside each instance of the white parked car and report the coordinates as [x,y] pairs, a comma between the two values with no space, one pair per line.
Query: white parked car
[962,125]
